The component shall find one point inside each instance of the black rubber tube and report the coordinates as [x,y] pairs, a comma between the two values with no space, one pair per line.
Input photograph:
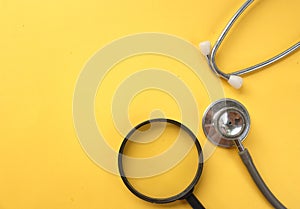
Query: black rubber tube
[194,202]
[247,160]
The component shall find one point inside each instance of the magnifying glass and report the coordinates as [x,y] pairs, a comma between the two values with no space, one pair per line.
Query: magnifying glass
[161,161]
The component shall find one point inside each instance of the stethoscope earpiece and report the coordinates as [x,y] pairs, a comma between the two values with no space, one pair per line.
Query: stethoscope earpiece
[205,48]
[235,81]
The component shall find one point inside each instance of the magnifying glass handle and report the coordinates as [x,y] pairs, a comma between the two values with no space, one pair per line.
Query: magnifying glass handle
[194,202]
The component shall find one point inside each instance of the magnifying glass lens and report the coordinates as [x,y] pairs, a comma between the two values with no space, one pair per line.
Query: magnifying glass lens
[160,160]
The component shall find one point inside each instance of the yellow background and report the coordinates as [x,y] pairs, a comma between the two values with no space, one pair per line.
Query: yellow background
[43,48]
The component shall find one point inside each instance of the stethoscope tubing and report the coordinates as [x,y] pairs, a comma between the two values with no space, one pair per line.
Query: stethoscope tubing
[247,160]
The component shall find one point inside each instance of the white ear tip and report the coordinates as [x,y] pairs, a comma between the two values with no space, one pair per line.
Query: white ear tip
[235,81]
[205,47]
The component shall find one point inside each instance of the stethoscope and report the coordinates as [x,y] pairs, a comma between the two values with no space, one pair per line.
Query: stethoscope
[226,123]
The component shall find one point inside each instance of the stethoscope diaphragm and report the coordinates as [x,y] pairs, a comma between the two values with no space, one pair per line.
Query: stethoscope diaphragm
[224,121]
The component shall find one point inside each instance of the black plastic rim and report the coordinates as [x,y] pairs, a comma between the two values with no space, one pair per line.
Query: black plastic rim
[181,195]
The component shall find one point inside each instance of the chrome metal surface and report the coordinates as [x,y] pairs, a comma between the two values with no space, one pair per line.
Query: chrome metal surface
[226,121]
[231,123]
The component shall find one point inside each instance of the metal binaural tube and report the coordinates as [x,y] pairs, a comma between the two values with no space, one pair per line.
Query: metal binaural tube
[212,60]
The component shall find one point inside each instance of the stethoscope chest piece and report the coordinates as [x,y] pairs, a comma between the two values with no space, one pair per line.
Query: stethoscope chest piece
[224,121]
